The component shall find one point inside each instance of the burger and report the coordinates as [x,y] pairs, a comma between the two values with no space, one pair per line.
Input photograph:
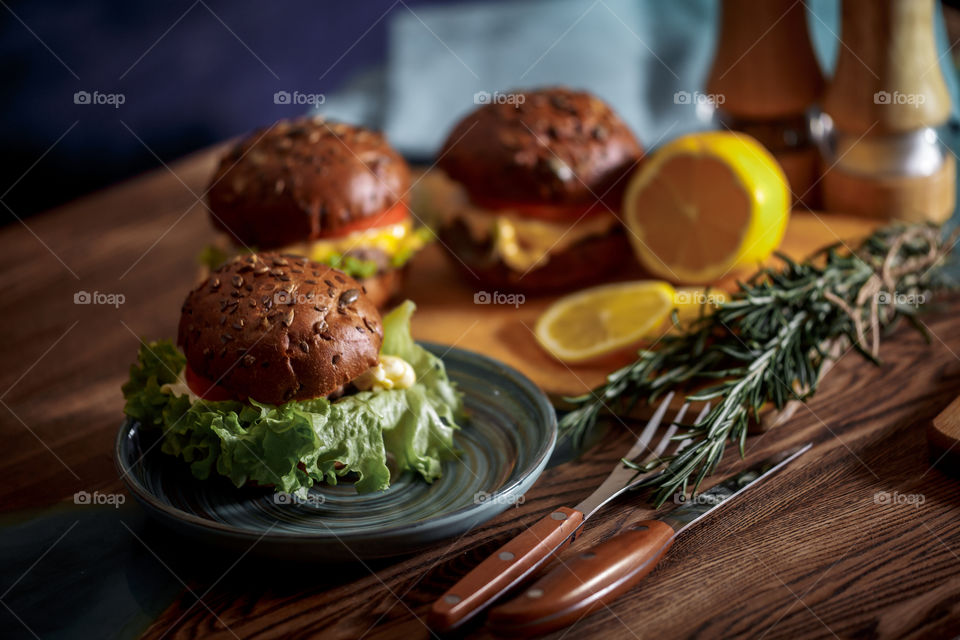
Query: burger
[528,190]
[328,191]
[286,376]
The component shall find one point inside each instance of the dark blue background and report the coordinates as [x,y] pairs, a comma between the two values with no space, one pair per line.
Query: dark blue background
[199,84]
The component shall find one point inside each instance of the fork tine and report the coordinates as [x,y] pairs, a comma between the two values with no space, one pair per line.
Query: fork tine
[703,413]
[672,429]
[665,441]
[648,431]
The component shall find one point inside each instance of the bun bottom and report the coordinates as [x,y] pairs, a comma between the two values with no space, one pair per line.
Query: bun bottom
[587,262]
[384,287]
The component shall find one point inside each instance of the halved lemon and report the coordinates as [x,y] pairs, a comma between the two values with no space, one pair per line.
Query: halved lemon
[601,320]
[706,204]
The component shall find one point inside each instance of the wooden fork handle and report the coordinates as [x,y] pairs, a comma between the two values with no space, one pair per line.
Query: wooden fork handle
[506,567]
[590,580]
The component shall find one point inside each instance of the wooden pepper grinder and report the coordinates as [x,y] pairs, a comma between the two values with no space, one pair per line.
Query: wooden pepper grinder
[765,78]
[882,155]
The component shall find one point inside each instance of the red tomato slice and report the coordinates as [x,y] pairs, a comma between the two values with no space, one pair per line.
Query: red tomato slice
[394,215]
[546,212]
[205,388]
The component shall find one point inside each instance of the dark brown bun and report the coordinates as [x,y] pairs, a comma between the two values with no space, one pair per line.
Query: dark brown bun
[279,328]
[558,146]
[300,179]
[585,262]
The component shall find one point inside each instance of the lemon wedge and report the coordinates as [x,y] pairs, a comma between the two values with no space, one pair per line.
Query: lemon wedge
[601,320]
[705,205]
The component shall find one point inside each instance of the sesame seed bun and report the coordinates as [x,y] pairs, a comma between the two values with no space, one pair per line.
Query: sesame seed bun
[546,146]
[279,328]
[299,180]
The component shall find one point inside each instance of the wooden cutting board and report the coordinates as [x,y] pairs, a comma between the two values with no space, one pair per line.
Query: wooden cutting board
[447,312]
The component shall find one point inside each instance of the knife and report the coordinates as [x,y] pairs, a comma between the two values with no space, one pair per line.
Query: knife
[520,556]
[597,576]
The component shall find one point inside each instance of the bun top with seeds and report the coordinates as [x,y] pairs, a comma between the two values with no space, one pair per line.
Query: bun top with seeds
[276,328]
[303,179]
[552,146]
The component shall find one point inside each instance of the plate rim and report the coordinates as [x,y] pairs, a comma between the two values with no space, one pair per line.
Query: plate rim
[534,470]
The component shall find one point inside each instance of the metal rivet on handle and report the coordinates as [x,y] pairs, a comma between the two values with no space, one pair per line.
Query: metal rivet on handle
[451,599]
[506,555]
[534,593]
[558,515]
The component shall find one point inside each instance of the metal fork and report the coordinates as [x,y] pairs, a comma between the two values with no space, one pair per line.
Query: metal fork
[622,479]
[519,557]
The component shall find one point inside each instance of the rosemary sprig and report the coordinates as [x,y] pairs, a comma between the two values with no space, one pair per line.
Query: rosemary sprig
[766,346]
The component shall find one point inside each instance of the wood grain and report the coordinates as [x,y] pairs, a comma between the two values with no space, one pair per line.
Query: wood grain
[827,547]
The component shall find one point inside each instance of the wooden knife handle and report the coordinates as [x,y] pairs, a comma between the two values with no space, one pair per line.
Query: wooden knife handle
[503,569]
[586,582]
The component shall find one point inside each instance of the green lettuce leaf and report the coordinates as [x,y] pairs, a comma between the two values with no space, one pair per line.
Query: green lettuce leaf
[297,444]
[353,266]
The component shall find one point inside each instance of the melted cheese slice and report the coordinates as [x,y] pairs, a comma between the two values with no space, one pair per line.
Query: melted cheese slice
[392,239]
[521,242]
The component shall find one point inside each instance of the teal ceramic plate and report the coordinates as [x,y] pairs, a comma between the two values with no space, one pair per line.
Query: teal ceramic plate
[506,440]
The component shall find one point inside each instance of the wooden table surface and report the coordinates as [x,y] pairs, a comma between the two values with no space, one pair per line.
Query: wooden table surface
[860,538]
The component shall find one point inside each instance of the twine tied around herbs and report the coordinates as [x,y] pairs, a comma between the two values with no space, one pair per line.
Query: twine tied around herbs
[866,313]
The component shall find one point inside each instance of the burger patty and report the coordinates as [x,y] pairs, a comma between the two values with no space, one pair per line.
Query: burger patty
[378,257]
[582,263]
